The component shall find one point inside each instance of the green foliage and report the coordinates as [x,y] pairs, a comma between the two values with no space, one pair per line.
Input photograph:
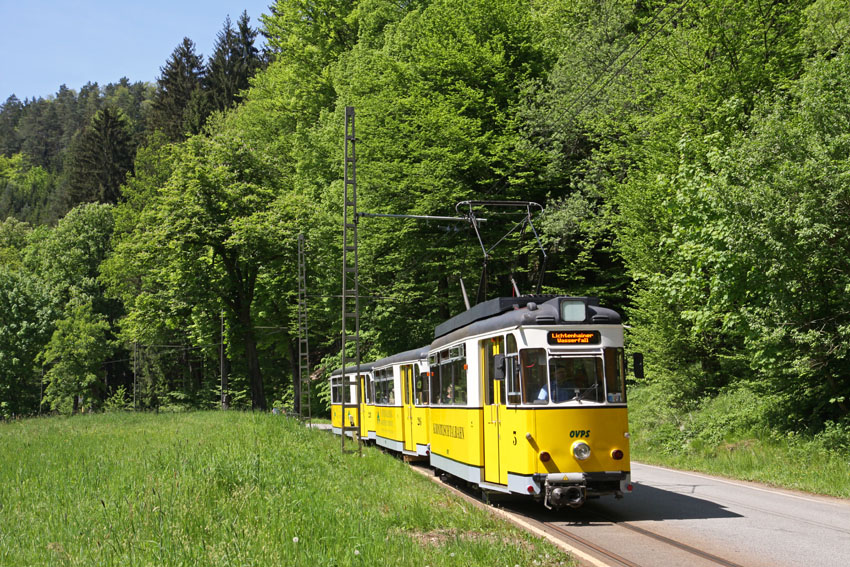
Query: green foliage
[733,434]
[27,312]
[74,356]
[118,401]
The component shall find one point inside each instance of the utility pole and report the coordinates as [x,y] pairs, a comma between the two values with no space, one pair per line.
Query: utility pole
[302,381]
[350,285]
[135,371]
[222,352]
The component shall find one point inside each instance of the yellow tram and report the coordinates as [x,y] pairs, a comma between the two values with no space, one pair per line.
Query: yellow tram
[522,395]
[528,396]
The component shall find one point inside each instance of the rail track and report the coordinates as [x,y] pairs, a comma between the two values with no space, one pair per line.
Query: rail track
[644,547]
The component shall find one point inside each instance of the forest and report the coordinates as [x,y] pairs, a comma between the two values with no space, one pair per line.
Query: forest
[692,156]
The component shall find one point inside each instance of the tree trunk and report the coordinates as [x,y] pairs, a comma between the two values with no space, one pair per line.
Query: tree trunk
[258,396]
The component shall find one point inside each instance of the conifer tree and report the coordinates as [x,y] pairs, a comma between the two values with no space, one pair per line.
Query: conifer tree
[99,159]
[182,75]
[10,115]
[235,59]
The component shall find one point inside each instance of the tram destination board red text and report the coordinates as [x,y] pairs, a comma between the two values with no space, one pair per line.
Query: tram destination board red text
[574,337]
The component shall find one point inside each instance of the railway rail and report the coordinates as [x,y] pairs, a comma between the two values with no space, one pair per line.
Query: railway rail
[558,528]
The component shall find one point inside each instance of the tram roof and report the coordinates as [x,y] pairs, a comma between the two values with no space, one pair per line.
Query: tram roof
[364,367]
[504,312]
[488,309]
[411,355]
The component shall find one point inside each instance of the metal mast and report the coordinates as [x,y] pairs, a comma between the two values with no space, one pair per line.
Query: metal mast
[350,285]
[302,384]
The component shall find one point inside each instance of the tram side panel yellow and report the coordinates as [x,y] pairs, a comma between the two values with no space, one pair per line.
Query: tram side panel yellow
[456,434]
[370,420]
[421,426]
[389,423]
[336,416]
[517,454]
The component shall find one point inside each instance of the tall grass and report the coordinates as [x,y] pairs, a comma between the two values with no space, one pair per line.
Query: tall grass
[229,489]
[730,436]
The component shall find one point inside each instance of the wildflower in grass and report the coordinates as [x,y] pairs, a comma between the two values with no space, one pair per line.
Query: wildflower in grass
[356,552]
[295,539]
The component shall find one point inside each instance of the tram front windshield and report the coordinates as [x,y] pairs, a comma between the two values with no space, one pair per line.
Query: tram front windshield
[560,379]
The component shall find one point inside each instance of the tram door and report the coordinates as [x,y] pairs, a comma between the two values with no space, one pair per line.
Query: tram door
[407,401]
[494,410]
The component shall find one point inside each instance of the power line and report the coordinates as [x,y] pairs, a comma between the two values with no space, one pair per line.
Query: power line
[560,128]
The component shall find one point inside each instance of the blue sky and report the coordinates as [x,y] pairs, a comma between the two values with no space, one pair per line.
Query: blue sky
[47,43]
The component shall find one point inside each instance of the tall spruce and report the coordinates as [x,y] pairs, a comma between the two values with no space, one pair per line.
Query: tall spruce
[99,158]
[179,106]
[234,61]
[10,114]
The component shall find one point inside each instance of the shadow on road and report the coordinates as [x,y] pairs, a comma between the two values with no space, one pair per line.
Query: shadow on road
[645,503]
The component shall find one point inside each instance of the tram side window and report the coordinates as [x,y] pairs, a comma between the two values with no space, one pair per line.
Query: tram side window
[434,379]
[446,386]
[364,383]
[459,373]
[421,386]
[336,397]
[615,375]
[534,376]
[391,393]
[381,392]
[348,389]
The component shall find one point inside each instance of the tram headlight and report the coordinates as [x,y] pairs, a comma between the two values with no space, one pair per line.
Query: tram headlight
[581,450]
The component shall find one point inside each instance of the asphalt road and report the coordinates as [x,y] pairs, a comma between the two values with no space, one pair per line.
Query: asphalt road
[698,520]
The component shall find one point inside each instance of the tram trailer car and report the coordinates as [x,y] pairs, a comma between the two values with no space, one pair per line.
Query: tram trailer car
[343,383]
[528,396]
[400,403]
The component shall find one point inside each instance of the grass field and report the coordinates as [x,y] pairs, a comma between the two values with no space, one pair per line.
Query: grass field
[229,489]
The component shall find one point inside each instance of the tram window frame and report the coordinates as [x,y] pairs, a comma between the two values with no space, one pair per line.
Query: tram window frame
[336,396]
[421,383]
[459,376]
[615,372]
[391,392]
[346,390]
[364,383]
[450,375]
[530,371]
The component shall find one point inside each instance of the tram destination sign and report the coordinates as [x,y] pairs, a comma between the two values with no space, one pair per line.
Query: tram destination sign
[574,338]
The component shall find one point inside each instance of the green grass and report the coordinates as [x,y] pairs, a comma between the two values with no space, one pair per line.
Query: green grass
[230,489]
[726,436]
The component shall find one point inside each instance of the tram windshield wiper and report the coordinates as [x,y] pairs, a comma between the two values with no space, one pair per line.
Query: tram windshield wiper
[584,392]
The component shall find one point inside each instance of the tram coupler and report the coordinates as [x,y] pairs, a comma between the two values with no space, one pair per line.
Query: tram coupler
[560,495]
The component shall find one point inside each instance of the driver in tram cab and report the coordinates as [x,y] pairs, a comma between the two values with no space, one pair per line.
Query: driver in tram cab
[563,387]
